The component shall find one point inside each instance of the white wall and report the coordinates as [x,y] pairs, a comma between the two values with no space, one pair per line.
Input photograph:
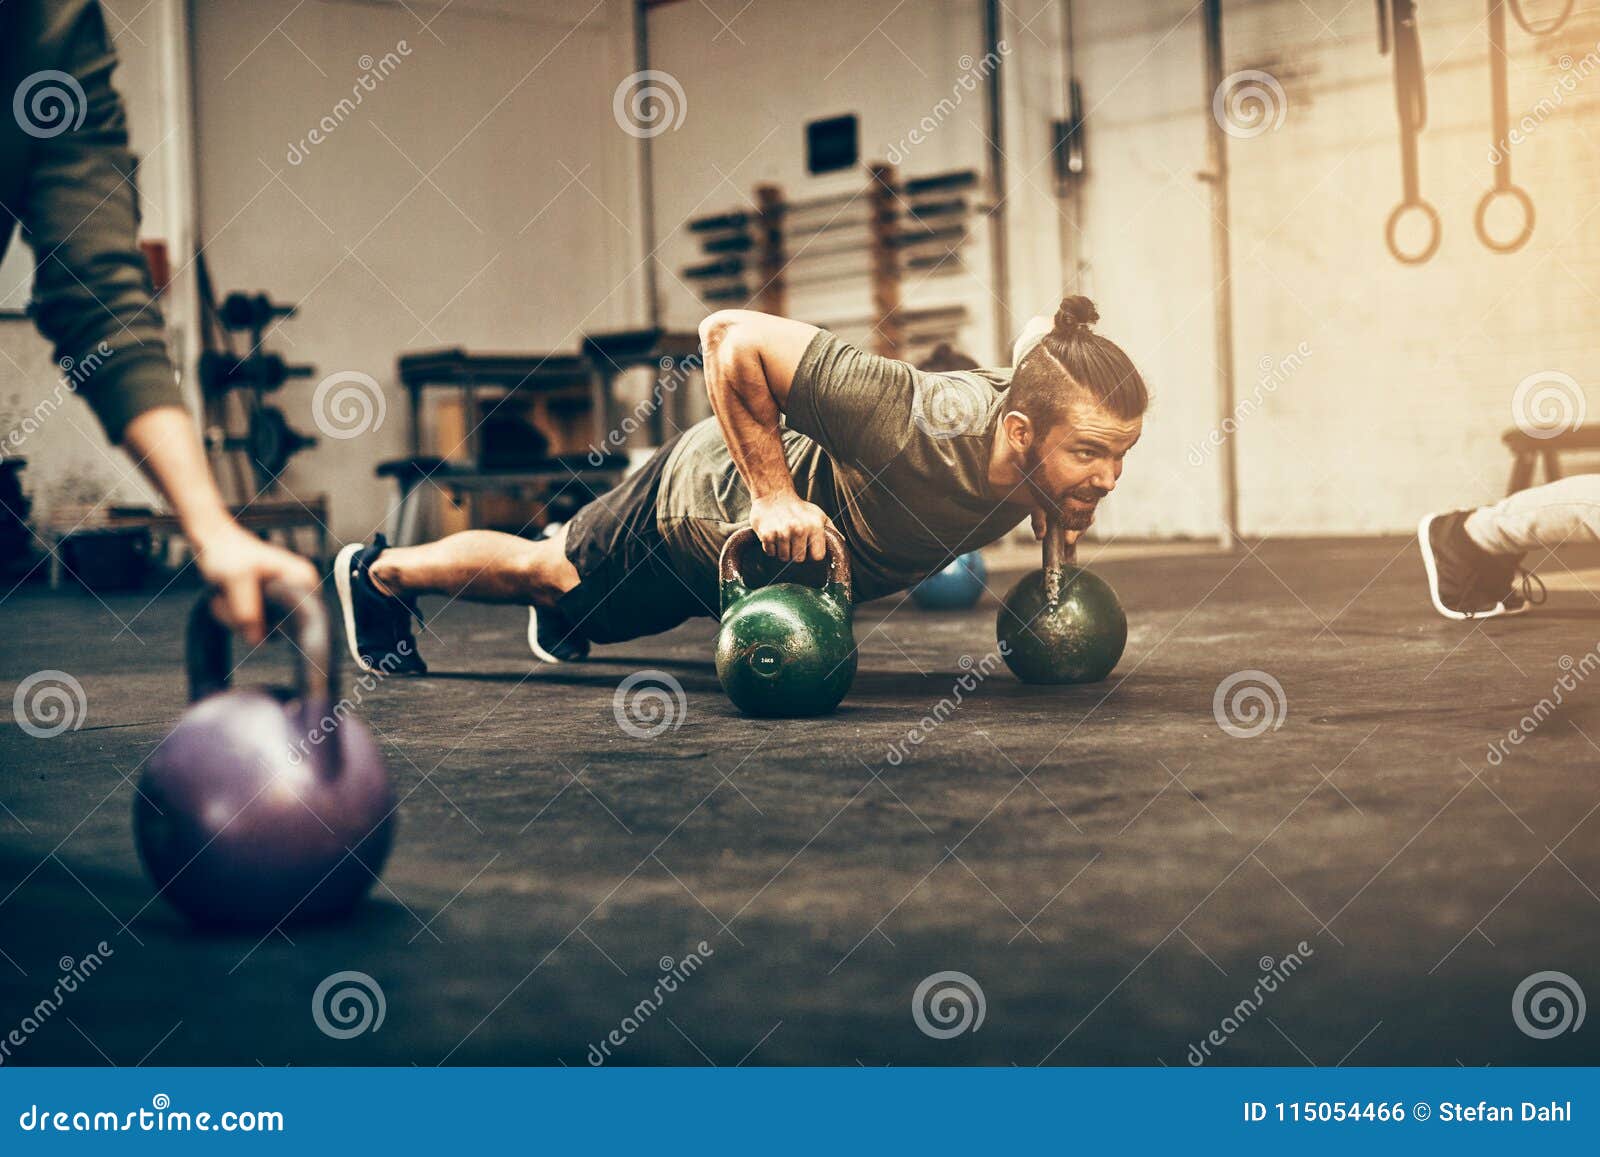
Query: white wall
[523,236]
[1143,250]
[752,85]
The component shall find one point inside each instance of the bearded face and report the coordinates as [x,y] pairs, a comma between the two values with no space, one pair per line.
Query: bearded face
[1077,462]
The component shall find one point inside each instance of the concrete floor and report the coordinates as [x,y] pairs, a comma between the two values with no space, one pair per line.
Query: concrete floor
[1108,865]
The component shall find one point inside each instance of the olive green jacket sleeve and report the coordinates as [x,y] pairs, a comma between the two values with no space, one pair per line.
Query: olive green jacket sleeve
[78,206]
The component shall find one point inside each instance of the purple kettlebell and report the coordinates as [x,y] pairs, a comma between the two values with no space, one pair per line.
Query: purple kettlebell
[264,805]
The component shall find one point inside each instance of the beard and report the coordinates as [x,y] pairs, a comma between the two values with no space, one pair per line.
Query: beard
[1075,519]
[1072,518]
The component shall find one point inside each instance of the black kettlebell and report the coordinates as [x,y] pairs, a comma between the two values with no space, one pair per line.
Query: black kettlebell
[264,805]
[785,649]
[1061,624]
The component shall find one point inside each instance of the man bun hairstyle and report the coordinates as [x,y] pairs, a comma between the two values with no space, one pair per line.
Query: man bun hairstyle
[1072,361]
[1076,313]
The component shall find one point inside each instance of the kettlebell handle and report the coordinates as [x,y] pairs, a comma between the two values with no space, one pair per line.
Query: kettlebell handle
[735,552]
[208,645]
[1058,555]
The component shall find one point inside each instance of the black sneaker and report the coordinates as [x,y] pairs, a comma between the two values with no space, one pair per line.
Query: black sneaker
[553,637]
[377,626]
[1464,580]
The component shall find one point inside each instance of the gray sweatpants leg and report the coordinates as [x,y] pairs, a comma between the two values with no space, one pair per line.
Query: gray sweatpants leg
[1541,516]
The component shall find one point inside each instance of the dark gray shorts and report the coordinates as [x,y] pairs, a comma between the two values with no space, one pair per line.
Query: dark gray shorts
[627,584]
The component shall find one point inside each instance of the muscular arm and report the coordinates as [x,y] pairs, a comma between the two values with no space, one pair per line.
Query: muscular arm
[750,362]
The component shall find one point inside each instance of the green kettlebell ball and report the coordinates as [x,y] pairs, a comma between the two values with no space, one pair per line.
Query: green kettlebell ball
[786,650]
[1078,640]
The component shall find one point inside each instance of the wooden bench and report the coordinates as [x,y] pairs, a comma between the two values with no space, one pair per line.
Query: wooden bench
[1528,451]
[584,476]
[263,516]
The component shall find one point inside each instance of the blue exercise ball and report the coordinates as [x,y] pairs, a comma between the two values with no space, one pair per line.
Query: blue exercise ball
[955,588]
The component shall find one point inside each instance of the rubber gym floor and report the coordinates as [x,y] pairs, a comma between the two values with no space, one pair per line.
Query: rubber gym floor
[1113,870]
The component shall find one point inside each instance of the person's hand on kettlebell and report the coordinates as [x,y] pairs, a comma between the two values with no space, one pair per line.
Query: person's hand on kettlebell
[236,563]
[789,528]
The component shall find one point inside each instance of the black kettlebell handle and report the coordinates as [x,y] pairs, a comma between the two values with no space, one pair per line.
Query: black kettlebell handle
[731,566]
[208,645]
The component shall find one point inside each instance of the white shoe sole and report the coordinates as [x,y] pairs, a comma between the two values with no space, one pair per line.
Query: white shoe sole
[540,652]
[347,606]
[1431,565]
[533,638]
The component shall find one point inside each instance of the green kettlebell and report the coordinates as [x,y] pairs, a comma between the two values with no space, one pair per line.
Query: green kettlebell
[1061,624]
[785,649]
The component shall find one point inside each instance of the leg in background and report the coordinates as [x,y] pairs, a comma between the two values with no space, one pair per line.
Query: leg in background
[481,566]
[1542,516]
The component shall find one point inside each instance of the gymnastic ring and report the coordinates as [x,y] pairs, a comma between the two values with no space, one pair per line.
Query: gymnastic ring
[1554,24]
[1481,219]
[1435,232]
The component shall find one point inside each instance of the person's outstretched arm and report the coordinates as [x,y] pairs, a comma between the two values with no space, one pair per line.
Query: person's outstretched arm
[94,301]
[750,362]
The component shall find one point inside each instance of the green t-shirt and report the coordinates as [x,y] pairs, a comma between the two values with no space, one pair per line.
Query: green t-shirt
[897,457]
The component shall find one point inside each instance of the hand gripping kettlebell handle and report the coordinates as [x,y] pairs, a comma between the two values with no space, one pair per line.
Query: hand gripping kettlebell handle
[1058,555]
[208,644]
[731,564]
